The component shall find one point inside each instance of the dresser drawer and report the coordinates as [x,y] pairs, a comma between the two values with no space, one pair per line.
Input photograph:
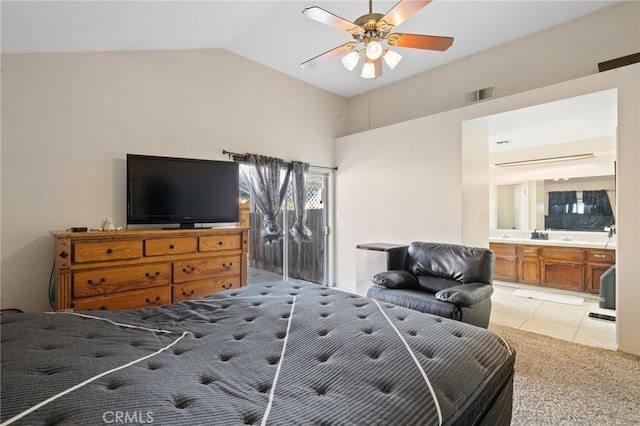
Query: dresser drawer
[208,267]
[155,296]
[114,280]
[193,289]
[503,250]
[527,251]
[600,256]
[164,246]
[220,242]
[102,251]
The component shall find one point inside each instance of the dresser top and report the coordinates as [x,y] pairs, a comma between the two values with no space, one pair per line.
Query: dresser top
[148,232]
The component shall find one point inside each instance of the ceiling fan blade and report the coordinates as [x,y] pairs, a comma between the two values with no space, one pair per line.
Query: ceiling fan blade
[318,14]
[336,51]
[400,13]
[378,67]
[420,41]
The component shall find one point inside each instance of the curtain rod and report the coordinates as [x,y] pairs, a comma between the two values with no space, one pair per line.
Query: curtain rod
[235,154]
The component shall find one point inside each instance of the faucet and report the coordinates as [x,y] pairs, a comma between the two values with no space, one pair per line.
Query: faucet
[535,235]
[611,229]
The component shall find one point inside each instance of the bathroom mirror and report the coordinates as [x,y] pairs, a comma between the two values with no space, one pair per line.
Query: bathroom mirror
[523,206]
[566,145]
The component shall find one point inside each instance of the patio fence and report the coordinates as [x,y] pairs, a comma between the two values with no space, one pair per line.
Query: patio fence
[306,260]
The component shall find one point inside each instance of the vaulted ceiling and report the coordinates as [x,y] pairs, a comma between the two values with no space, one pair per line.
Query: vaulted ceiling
[275,33]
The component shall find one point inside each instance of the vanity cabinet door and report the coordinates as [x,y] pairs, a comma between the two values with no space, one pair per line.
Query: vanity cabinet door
[565,275]
[528,264]
[563,267]
[598,261]
[506,267]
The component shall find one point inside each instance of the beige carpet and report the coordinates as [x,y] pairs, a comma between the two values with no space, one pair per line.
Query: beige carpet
[564,383]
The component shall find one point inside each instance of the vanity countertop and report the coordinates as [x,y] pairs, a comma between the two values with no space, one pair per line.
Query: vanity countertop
[555,242]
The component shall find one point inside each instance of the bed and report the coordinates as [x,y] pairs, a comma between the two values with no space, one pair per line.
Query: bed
[282,353]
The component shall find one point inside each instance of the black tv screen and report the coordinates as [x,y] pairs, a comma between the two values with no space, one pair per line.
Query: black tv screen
[166,190]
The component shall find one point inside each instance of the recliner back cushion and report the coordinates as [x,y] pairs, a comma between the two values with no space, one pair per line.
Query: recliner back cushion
[449,261]
[435,284]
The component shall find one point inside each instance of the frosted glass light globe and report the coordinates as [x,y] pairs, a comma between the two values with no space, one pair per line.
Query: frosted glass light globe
[350,60]
[374,50]
[368,70]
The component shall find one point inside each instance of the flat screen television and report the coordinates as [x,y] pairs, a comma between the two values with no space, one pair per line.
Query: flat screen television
[184,191]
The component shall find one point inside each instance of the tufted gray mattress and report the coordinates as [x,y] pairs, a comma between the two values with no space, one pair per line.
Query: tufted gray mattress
[279,353]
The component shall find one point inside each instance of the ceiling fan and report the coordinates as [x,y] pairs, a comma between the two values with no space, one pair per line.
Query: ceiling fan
[369,31]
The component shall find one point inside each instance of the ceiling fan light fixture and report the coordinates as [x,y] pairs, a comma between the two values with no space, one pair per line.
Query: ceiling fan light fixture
[374,49]
[391,58]
[350,60]
[368,70]
[371,30]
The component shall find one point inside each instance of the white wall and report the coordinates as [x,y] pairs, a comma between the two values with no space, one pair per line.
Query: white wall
[560,53]
[403,182]
[604,150]
[396,184]
[544,60]
[68,121]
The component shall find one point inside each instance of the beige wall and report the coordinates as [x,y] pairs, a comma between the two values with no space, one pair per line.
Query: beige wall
[396,184]
[560,53]
[404,182]
[68,121]
[409,128]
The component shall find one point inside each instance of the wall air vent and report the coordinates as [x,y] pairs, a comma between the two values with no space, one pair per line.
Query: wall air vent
[478,95]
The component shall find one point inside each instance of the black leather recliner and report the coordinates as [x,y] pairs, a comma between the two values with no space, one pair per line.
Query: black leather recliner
[448,280]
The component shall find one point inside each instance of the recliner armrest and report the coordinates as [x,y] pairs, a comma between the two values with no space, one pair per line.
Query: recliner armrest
[395,279]
[465,294]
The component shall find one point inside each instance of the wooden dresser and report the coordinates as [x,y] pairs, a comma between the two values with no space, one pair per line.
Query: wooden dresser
[134,269]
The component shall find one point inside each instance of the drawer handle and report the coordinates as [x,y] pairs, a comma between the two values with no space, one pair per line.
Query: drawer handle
[224,265]
[191,293]
[109,251]
[152,302]
[227,286]
[220,243]
[599,255]
[148,275]
[171,246]
[102,281]
[528,251]
[188,269]
[103,308]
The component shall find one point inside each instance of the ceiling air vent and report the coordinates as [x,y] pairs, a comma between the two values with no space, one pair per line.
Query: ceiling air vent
[478,95]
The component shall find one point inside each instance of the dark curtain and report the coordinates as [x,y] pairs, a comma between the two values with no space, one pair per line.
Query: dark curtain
[596,216]
[267,179]
[562,202]
[578,222]
[596,203]
[299,230]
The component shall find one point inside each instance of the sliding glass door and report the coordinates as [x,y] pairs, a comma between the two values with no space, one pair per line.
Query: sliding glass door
[288,259]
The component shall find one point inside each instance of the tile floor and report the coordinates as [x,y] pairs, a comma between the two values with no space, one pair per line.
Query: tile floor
[568,322]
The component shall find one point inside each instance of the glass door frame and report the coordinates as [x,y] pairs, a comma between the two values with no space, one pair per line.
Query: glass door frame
[324,175]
